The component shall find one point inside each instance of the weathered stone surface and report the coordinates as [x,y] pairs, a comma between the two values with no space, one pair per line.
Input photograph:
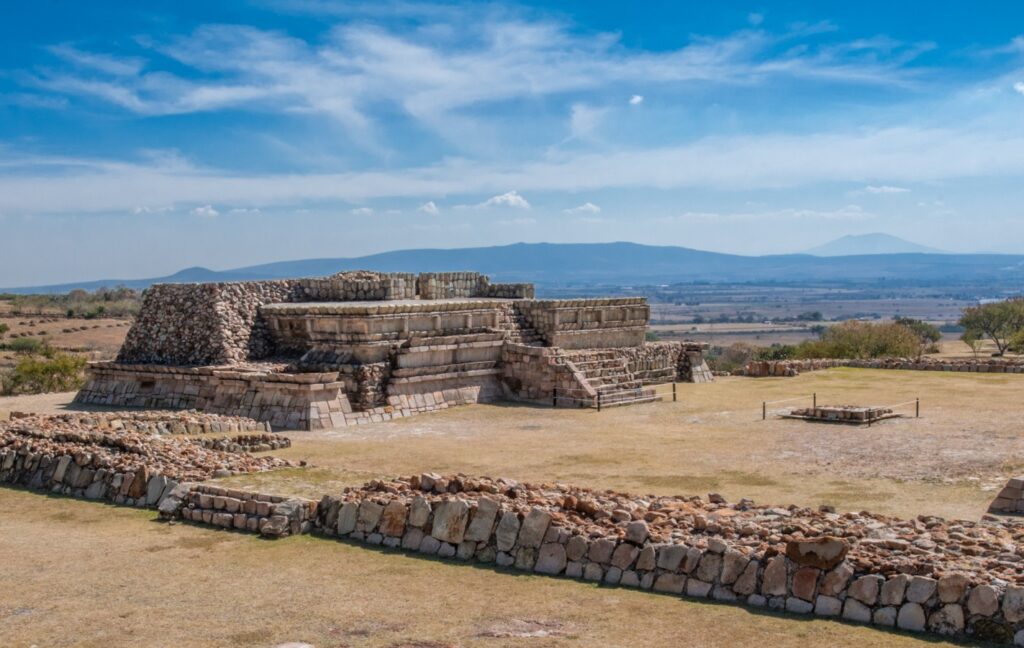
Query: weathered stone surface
[646,560]
[419,511]
[798,606]
[885,616]
[593,572]
[369,516]
[1013,603]
[347,518]
[984,600]
[672,583]
[576,548]
[920,589]
[828,606]
[824,553]
[835,580]
[774,578]
[709,568]
[746,584]
[911,617]
[392,520]
[450,519]
[480,527]
[636,532]
[854,610]
[865,589]
[952,587]
[697,588]
[947,620]
[670,557]
[733,564]
[508,531]
[535,525]
[805,582]
[601,551]
[624,555]
[894,590]
[551,558]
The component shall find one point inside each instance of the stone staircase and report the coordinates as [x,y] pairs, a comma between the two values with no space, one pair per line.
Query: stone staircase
[518,327]
[608,374]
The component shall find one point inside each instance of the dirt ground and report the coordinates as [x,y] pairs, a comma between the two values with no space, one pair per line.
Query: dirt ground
[217,587]
[99,338]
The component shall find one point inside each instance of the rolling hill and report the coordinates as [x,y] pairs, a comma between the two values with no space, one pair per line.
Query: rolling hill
[550,264]
[876,243]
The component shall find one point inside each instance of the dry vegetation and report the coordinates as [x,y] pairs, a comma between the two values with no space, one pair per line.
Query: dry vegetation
[222,588]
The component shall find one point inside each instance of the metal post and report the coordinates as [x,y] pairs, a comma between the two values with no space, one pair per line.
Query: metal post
[815,400]
[554,397]
[598,401]
[917,408]
[673,391]
[764,411]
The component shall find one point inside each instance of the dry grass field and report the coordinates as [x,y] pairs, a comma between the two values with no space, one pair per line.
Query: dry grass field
[91,574]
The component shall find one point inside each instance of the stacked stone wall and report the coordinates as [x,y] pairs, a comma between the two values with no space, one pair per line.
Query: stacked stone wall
[360,285]
[149,422]
[229,508]
[588,323]
[789,368]
[450,285]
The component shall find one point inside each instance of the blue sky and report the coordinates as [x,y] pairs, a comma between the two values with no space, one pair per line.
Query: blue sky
[140,138]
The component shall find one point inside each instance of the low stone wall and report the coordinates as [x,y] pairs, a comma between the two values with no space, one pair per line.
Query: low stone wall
[149,422]
[268,515]
[842,413]
[246,443]
[1011,498]
[447,285]
[789,368]
[506,291]
[949,578]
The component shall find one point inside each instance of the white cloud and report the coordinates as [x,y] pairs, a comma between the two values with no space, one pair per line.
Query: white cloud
[584,120]
[518,222]
[899,155]
[144,209]
[585,208]
[636,100]
[755,18]
[241,211]
[429,208]
[1019,87]
[205,211]
[880,190]
[361,211]
[357,67]
[509,199]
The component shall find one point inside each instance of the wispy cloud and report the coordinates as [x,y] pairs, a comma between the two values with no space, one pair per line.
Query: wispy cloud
[585,208]
[897,155]
[434,72]
[1019,87]
[883,190]
[636,100]
[205,211]
[846,213]
[361,211]
[429,208]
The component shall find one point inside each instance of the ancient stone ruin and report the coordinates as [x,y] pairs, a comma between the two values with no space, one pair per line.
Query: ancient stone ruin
[1010,499]
[841,414]
[361,346]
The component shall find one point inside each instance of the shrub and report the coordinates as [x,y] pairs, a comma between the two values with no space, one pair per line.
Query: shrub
[855,339]
[998,321]
[50,372]
[777,352]
[730,358]
[3,329]
[25,345]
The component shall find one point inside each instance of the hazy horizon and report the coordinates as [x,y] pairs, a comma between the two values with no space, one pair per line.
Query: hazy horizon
[136,141]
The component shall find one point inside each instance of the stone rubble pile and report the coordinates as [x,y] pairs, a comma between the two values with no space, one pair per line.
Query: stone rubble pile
[157,422]
[948,577]
[246,443]
[39,451]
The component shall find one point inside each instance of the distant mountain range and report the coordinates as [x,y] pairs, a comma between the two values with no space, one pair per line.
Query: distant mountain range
[621,264]
[875,243]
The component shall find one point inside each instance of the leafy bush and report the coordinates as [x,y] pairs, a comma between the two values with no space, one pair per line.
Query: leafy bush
[3,329]
[777,352]
[25,345]
[854,339]
[730,358]
[47,372]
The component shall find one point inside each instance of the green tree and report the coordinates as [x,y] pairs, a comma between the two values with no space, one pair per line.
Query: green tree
[998,321]
[928,334]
